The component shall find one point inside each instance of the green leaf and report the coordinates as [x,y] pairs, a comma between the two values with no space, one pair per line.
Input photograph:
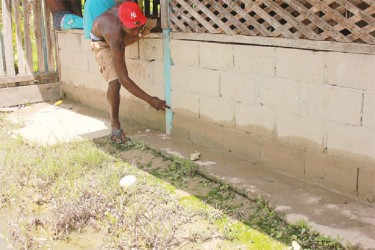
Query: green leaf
[279,235]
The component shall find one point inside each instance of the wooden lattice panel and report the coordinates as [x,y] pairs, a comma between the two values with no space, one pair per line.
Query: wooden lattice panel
[324,20]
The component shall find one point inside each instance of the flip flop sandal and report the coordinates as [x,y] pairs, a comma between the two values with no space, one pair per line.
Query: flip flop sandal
[118,136]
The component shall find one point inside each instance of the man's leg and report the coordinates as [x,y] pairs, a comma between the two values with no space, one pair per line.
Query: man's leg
[103,56]
[113,98]
[74,6]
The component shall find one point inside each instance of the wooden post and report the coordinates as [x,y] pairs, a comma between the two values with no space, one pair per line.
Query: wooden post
[27,38]
[7,26]
[20,50]
[2,72]
[164,5]
[147,8]
[39,35]
[49,39]
[140,4]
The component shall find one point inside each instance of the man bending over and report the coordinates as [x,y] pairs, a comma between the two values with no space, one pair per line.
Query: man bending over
[111,32]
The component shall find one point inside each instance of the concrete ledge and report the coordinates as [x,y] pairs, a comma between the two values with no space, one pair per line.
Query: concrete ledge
[278,42]
[354,175]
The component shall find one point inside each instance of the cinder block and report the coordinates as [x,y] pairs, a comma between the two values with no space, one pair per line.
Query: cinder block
[216,56]
[180,78]
[69,41]
[229,82]
[333,172]
[86,44]
[202,133]
[137,71]
[184,52]
[282,158]
[256,119]
[82,79]
[94,81]
[72,76]
[300,65]
[343,105]
[217,110]
[153,90]
[315,167]
[241,145]
[129,96]
[155,73]
[350,70]
[132,51]
[89,97]
[312,100]
[134,111]
[353,139]
[151,49]
[366,183]
[195,80]
[64,76]
[74,60]
[300,131]
[180,120]
[283,95]
[341,175]
[155,119]
[93,64]
[185,101]
[255,60]
[238,86]
[368,116]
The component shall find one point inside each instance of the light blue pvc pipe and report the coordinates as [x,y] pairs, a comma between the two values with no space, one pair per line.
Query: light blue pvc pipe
[167,81]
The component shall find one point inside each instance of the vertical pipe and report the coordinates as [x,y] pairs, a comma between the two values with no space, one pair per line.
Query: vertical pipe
[164,5]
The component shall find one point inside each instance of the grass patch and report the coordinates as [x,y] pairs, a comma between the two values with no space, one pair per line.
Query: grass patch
[232,203]
[54,195]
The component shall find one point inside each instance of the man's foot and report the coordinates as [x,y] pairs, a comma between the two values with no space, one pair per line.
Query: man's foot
[118,136]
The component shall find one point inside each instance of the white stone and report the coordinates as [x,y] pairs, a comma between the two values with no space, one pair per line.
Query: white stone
[128,181]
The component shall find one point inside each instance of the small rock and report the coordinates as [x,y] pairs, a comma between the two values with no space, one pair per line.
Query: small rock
[296,246]
[195,156]
[128,181]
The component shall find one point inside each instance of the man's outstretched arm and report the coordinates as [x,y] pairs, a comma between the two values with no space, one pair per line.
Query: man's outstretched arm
[115,40]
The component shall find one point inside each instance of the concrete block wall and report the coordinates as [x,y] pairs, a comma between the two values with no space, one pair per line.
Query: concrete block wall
[82,81]
[306,113]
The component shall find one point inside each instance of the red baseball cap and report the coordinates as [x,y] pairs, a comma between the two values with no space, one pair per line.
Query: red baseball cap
[131,15]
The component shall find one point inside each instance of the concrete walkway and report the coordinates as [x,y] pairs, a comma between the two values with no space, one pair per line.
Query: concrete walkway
[326,211]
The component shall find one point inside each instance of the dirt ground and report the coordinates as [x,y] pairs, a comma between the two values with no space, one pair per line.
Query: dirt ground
[322,209]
